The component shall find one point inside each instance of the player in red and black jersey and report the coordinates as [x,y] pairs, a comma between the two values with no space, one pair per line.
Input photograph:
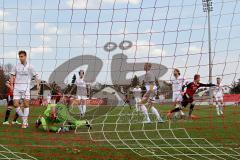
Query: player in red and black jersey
[188,95]
[10,86]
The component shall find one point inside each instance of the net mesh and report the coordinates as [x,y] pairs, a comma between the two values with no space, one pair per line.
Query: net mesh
[111,40]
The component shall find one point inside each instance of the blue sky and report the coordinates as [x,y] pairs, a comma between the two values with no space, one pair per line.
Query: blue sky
[170,32]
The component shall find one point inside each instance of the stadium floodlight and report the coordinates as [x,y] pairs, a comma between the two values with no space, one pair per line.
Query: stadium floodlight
[207,5]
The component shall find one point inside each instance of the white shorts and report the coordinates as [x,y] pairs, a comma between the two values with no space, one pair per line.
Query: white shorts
[137,100]
[148,88]
[82,97]
[219,98]
[177,97]
[17,94]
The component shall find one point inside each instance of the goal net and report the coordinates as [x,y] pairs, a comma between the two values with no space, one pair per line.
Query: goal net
[111,40]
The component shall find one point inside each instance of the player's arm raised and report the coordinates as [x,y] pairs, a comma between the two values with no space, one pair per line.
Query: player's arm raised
[35,76]
[184,86]
[37,82]
[12,77]
[206,85]
[9,85]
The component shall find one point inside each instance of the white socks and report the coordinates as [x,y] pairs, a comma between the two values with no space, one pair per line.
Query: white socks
[25,115]
[19,112]
[155,112]
[82,109]
[145,112]
[136,106]
[181,113]
[219,108]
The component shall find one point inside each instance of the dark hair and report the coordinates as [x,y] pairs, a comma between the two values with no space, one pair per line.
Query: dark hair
[81,71]
[218,78]
[22,52]
[178,71]
[196,76]
[149,65]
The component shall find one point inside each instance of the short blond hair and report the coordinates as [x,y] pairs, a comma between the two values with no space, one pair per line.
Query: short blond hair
[147,66]
[177,70]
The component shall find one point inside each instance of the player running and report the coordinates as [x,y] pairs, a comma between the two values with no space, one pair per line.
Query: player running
[137,93]
[177,83]
[23,73]
[188,95]
[218,97]
[81,93]
[56,118]
[10,86]
[148,97]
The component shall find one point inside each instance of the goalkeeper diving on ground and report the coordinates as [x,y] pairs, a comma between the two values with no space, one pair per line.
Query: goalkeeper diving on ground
[56,118]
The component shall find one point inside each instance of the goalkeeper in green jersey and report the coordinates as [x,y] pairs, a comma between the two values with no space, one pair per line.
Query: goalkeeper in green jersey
[54,118]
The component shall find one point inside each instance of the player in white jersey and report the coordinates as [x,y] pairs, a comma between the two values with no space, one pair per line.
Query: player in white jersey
[177,83]
[23,73]
[137,93]
[218,97]
[148,97]
[81,93]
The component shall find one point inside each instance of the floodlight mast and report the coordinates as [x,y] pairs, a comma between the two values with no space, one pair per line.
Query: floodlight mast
[208,7]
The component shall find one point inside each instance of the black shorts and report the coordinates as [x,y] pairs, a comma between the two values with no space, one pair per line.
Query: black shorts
[10,101]
[186,100]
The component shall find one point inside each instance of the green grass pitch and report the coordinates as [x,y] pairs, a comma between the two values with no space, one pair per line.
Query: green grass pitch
[119,134]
